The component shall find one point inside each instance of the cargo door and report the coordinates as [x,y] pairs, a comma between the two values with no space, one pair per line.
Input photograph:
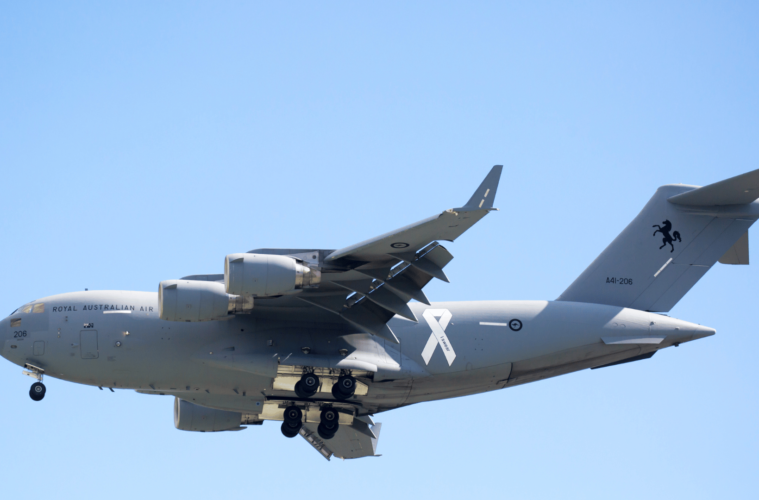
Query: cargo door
[88,342]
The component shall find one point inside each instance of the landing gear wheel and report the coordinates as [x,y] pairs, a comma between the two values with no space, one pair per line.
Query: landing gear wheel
[293,421]
[307,386]
[344,388]
[37,392]
[326,433]
[289,432]
[330,416]
[293,415]
[330,422]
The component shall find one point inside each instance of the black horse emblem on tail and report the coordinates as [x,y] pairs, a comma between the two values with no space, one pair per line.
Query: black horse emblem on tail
[664,230]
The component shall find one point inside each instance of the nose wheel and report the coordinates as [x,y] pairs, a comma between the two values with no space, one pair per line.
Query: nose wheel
[37,392]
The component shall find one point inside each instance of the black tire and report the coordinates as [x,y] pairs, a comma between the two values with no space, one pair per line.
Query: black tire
[299,392]
[289,432]
[293,415]
[309,384]
[325,433]
[330,416]
[37,392]
[337,394]
[347,384]
[344,388]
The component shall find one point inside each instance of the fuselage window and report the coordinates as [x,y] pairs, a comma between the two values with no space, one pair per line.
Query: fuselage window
[16,322]
[39,308]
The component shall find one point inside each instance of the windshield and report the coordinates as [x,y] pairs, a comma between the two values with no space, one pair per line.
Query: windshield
[39,307]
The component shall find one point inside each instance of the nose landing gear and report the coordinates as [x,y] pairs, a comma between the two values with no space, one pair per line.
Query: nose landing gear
[37,391]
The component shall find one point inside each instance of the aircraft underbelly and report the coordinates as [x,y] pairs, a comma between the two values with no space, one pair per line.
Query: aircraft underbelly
[451,385]
[570,360]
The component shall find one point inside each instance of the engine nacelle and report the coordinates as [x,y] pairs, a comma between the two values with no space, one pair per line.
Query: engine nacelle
[184,300]
[263,275]
[192,417]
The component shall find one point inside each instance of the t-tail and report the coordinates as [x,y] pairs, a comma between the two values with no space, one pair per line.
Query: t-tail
[677,237]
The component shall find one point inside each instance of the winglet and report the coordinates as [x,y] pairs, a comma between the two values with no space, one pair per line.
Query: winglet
[485,194]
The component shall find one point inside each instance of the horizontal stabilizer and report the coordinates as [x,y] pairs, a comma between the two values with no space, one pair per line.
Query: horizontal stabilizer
[737,190]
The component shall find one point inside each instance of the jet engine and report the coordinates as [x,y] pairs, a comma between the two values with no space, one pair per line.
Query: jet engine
[182,300]
[263,275]
[192,417]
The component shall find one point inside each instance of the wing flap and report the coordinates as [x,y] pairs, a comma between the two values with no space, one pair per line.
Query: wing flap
[431,263]
[381,296]
[402,285]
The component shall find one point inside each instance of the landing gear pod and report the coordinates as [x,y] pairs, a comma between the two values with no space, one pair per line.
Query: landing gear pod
[192,417]
[191,301]
[265,275]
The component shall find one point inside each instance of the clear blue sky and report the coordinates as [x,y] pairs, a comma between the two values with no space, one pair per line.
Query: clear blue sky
[143,141]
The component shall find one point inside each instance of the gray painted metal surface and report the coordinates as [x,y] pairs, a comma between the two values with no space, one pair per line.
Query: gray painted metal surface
[360,327]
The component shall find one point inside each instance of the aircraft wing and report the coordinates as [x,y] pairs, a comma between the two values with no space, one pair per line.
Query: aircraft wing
[447,226]
[368,283]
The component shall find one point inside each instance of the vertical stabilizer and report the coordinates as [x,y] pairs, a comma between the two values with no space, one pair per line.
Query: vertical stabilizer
[670,245]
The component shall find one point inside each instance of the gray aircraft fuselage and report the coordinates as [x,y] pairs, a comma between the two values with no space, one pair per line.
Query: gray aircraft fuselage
[115,339]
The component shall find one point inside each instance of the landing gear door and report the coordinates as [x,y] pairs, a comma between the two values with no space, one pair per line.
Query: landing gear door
[88,342]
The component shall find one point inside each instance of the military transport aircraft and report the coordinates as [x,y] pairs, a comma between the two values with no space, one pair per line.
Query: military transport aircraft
[323,340]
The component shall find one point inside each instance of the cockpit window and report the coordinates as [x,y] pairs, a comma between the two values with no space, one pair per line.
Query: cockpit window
[38,307]
[16,322]
[14,312]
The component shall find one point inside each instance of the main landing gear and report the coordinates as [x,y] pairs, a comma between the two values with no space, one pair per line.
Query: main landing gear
[307,385]
[38,390]
[344,388]
[329,423]
[293,421]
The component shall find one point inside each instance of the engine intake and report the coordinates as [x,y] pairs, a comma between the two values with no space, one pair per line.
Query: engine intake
[263,275]
[192,301]
[192,417]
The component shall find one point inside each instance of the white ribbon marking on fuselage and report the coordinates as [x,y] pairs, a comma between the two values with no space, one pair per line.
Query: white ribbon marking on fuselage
[438,335]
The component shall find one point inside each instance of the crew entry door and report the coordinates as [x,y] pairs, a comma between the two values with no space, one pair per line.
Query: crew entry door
[88,342]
